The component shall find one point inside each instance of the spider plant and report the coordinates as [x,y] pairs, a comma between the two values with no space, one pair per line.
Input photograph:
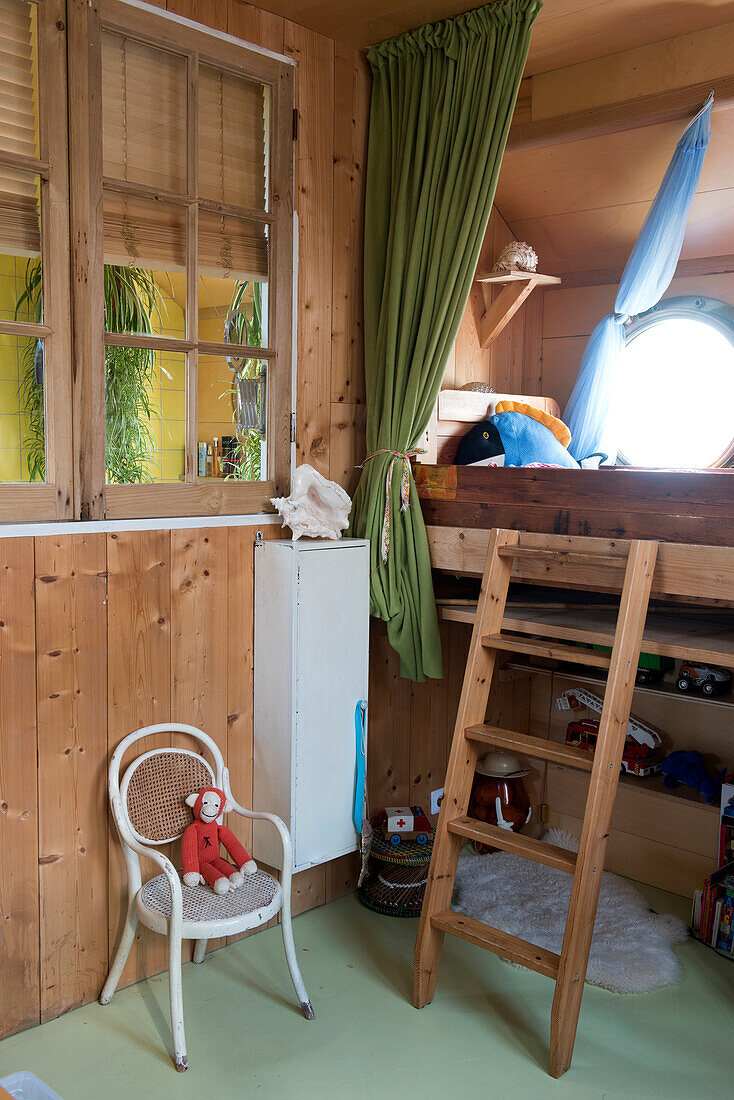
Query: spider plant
[132,304]
[29,307]
[244,326]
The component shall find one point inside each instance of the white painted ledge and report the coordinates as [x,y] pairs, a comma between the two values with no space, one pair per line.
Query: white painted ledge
[173,523]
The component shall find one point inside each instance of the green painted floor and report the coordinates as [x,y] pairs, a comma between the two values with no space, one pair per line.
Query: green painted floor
[485,1034]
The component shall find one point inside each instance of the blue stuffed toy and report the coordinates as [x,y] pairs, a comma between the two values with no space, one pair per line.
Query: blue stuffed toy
[688,768]
[517,435]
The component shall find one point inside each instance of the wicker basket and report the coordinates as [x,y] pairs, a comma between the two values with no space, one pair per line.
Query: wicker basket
[398,880]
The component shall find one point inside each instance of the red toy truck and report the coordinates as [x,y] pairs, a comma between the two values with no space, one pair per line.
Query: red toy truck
[637,759]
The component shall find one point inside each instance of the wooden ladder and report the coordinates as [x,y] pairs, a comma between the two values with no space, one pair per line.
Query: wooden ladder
[472,736]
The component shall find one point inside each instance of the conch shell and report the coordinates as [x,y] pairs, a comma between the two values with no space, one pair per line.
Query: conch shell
[316,507]
[517,256]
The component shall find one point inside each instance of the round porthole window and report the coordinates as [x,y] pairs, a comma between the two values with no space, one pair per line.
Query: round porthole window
[673,398]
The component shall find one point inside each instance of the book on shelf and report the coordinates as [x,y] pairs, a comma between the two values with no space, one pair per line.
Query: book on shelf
[712,913]
[726,824]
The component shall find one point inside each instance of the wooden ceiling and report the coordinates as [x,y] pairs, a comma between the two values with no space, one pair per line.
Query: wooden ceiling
[581,203]
[566,31]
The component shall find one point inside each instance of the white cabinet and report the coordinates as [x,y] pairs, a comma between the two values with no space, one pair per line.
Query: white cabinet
[311,671]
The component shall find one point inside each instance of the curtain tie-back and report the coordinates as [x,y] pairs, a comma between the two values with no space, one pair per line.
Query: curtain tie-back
[621,318]
[405,456]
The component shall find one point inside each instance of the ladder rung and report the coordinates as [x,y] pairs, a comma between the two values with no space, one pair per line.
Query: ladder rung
[538,747]
[560,557]
[500,943]
[508,841]
[539,648]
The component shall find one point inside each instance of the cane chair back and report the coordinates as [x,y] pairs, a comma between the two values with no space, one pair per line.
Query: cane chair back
[154,791]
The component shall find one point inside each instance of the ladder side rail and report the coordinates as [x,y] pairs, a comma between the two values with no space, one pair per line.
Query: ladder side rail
[462,760]
[600,802]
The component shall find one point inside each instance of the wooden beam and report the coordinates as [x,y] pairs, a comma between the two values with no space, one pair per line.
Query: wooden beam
[649,110]
[691,269]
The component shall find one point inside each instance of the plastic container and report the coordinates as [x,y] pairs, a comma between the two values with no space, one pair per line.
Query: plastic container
[26,1086]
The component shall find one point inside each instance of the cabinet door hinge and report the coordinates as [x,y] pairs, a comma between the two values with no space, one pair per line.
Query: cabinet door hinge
[293,427]
[295,124]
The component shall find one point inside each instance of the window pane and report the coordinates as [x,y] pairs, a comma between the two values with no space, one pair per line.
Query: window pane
[143,113]
[145,263]
[233,125]
[22,423]
[20,247]
[231,408]
[18,78]
[233,280]
[145,394]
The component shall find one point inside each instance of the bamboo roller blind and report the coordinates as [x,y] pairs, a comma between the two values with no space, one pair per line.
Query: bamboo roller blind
[145,133]
[19,191]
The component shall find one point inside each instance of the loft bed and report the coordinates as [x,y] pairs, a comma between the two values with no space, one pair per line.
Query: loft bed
[662,837]
[612,502]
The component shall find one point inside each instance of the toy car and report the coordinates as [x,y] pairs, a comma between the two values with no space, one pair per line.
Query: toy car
[637,759]
[399,823]
[706,678]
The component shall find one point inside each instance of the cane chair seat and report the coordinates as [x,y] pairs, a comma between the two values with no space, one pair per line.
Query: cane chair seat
[206,914]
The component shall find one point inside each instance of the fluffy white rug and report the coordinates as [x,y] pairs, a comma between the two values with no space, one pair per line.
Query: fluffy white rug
[632,947]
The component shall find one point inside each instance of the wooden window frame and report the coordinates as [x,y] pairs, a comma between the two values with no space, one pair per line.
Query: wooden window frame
[52,500]
[95,499]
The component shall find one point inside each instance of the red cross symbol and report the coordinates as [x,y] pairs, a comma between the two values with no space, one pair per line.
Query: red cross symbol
[401,824]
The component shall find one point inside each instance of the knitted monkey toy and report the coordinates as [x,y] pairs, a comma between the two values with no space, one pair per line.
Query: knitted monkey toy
[200,842]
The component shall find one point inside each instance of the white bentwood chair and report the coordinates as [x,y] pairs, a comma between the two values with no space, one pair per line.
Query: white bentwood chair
[150,811]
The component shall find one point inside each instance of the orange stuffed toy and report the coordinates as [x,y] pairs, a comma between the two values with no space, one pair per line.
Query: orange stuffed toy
[200,842]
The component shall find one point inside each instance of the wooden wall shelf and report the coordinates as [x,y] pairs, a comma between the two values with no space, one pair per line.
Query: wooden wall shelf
[491,317]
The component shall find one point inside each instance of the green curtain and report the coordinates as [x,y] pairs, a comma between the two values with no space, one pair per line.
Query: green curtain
[442,102]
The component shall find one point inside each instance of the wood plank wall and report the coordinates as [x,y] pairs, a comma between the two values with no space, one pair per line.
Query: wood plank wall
[100,634]
[512,364]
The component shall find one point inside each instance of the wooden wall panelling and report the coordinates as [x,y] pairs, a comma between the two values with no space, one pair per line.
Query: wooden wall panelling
[661,66]
[19,887]
[430,731]
[213,13]
[636,857]
[255,25]
[347,445]
[70,598]
[199,634]
[314,204]
[352,90]
[388,751]
[138,694]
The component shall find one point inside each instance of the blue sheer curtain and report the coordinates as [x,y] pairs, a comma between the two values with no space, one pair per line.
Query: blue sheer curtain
[646,277]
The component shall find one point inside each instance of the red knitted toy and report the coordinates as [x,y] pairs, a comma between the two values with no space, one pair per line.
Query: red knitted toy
[200,856]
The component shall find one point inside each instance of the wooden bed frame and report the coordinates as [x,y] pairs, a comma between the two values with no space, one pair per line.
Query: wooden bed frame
[613,502]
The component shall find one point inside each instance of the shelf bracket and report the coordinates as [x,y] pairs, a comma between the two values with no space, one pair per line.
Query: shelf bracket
[491,317]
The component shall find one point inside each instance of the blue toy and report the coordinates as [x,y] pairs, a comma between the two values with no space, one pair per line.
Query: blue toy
[517,435]
[688,768]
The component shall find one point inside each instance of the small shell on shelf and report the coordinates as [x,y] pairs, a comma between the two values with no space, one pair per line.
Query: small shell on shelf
[517,256]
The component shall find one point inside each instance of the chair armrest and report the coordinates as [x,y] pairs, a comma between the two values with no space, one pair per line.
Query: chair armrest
[174,882]
[280,825]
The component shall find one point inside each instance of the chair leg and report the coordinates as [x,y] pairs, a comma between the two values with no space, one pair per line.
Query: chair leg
[290,954]
[177,1020]
[123,950]
[199,951]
